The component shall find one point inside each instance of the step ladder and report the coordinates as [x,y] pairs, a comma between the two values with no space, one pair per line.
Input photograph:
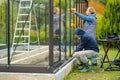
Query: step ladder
[23,27]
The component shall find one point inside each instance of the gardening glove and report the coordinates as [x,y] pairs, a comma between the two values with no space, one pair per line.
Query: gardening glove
[73,10]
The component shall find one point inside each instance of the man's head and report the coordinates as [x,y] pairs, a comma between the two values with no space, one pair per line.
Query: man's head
[90,10]
[79,32]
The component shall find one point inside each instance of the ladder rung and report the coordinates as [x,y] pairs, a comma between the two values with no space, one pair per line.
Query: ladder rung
[23,14]
[22,36]
[21,51]
[23,21]
[33,25]
[25,7]
[20,43]
[26,0]
[22,28]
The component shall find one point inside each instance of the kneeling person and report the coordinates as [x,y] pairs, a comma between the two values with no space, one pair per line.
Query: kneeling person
[87,47]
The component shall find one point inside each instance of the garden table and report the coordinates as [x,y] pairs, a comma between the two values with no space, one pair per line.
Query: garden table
[106,43]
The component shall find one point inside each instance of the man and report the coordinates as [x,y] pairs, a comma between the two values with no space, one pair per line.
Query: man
[89,47]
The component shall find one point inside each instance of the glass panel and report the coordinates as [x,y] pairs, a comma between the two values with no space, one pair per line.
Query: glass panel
[3,30]
[63,32]
[30,33]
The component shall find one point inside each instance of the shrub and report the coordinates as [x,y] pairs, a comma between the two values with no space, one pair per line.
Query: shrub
[103,1]
[110,20]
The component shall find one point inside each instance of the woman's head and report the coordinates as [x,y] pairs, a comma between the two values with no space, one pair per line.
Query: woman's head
[56,11]
[90,10]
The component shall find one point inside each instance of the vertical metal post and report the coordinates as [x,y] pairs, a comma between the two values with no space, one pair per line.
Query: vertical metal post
[1,14]
[70,29]
[65,28]
[12,19]
[79,11]
[45,22]
[87,3]
[75,5]
[8,30]
[39,22]
[51,34]
[76,23]
[60,31]
[82,2]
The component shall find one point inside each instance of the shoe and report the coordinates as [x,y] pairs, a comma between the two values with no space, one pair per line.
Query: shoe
[81,64]
[80,68]
[85,67]
[94,64]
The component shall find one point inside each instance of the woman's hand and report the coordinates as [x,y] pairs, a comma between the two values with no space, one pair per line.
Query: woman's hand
[73,10]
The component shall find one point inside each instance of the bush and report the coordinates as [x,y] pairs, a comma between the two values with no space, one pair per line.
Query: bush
[103,1]
[110,20]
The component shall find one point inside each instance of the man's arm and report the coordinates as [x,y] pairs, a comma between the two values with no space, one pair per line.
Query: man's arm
[82,44]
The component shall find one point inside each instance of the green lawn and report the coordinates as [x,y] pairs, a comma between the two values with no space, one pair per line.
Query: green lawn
[106,75]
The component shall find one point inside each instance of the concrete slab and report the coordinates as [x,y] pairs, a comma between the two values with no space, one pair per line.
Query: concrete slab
[59,75]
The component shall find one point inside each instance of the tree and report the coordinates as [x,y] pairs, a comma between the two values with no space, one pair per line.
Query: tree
[103,1]
[110,20]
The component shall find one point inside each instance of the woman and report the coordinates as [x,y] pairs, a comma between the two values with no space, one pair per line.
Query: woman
[58,23]
[89,21]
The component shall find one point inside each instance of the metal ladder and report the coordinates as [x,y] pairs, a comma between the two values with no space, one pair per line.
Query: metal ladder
[23,27]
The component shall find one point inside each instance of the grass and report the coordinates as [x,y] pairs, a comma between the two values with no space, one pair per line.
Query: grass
[106,75]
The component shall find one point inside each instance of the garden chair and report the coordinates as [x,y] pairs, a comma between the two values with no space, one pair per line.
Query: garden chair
[99,67]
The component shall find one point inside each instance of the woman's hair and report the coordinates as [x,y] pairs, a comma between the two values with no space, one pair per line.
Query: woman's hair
[91,10]
[55,9]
